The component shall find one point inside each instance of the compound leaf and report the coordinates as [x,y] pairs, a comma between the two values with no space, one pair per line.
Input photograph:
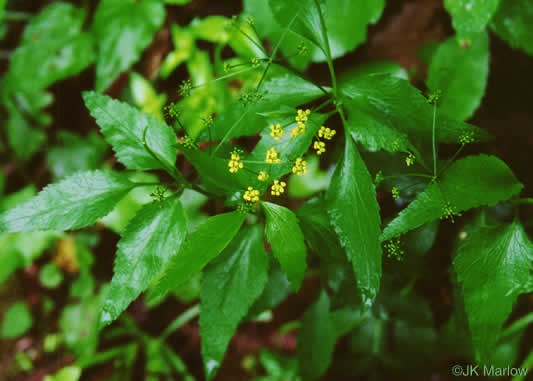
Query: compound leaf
[469,183]
[201,246]
[287,241]
[230,285]
[150,240]
[73,203]
[123,29]
[359,225]
[493,264]
[461,74]
[123,127]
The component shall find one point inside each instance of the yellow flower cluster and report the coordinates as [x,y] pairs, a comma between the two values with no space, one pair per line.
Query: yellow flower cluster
[251,195]
[301,118]
[278,188]
[263,176]
[300,167]
[276,131]
[235,163]
[326,133]
[320,147]
[410,160]
[272,156]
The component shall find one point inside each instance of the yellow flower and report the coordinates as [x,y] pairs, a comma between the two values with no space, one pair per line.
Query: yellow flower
[278,188]
[251,195]
[301,118]
[276,131]
[263,176]
[320,147]
[235,163]
[272,156]
[298,130]
[326,133]
[395,193]
[300,167]
[410,160]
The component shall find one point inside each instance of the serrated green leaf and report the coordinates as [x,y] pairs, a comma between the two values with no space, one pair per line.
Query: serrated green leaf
[316,339]
[201,246]
[150,240]
[76,154]
[123,128]
[276,290]
[386,112]
[73,203]
[470,17]
[303,17]
[513,22]
[283,90]
[493,264]
[287,241]
[469,183]
[461,74]
[359,225]
[230,285]
[17,320]
[55,39]
[317,229]
[123,29]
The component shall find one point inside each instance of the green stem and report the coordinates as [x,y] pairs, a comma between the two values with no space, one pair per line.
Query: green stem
[16,16]
[324,32]
[517,326]
[450,162]
[434,141]
[522,201]
[172,171]
[527,364]
[408,175]
[181,320]
[253,41]
[224,77]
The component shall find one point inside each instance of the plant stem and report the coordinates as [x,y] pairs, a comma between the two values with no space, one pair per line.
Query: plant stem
[324,32]
[181,320]
[517,325]
[450,162]
[16,16]
[522,201]
[408,175]
[434,141]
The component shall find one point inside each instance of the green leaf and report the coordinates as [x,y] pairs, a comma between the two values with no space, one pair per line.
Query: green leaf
[17,321]
[123,29]
[359,225]
[317,229]
[302,17]
[316,339]
[150,240]
[276,290]
[493,264]
[469,183]
[146,97]
[470,17]
[215,171]
[386,112]
[313,182]
[347,21]
[79,326]
[230,285]
[461,74]
[201,246]
[69,373]
[50,276]
[513,23]
[76,154]
[287,241]
[123,127]
[73,203]
[55,39]
[24,139]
